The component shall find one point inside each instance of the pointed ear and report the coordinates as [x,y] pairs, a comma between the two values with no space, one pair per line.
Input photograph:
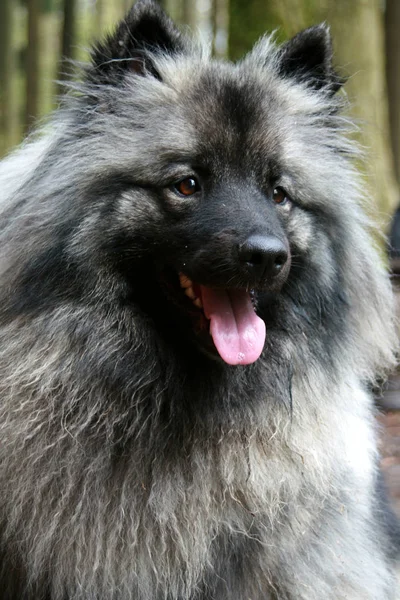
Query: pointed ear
[308,58]
[145,31]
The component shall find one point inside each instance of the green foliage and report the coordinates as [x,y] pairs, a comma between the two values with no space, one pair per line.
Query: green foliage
[248,22]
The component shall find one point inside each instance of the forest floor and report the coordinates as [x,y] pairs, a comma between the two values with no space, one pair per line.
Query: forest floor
[389,419]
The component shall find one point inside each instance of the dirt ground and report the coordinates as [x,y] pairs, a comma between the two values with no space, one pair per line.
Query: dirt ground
[389,419]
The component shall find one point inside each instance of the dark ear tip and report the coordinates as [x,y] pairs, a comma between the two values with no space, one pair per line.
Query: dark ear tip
[307,57]
[323,31]
[145,30]
[316,34]
[145,4]
[141,6]
[322,28]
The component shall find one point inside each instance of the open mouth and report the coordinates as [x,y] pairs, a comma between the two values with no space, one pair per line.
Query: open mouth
[237,331]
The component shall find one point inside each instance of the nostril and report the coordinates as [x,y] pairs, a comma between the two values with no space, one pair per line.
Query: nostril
[280,260]
[256,258]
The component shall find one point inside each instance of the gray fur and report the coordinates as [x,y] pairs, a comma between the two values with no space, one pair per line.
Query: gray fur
[129,469]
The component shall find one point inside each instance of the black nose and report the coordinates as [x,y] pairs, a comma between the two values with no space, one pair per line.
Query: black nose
[265,256]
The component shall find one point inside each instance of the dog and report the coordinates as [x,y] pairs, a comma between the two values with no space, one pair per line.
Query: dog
[193,314]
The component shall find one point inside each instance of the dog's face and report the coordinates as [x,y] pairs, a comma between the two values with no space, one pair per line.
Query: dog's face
[220,174]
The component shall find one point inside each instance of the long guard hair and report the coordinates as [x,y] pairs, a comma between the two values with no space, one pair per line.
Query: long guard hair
[136,461]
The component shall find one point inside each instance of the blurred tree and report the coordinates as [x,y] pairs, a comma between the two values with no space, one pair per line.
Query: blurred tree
[248,21]
[68,39]
[174,8]
[32,63]
[220,20]
[358,35]
[189,13]
[6,72]
[99,16]
[393,76]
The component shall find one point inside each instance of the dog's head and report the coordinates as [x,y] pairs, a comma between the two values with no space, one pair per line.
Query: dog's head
[221,195]
[211,157]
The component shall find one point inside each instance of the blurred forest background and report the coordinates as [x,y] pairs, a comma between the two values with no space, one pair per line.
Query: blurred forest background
[38,39]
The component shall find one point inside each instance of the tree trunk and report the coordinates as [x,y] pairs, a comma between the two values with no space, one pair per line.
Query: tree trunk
[6,72]
[174,8]
[248,21]
[359,41]
[99,20]
[393,76]
[190,14]
[220,21]
[358,36]
[32,64]
[68,40]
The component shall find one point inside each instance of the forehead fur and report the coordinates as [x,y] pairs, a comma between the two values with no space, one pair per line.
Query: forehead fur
[244,115]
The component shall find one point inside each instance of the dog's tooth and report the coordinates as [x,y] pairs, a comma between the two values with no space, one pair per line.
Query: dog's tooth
[190,293]
[198,303]
[185,281]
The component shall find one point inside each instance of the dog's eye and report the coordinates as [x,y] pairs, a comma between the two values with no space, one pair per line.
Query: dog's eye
[279,196]
[187,187]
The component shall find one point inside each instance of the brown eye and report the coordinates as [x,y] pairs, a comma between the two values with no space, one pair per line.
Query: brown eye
[279,196]
[187,187]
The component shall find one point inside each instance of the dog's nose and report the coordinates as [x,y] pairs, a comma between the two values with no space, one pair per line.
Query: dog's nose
[265,256]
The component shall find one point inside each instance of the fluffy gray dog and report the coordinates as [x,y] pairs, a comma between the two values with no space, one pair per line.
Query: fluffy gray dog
[192,313]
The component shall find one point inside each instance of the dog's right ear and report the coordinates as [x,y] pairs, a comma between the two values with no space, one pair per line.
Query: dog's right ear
[145,32]
[307,58]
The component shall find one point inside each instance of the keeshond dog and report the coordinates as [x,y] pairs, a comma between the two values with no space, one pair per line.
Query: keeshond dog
[192,316]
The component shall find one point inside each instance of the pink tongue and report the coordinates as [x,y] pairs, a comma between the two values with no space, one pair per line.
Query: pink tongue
[238,333]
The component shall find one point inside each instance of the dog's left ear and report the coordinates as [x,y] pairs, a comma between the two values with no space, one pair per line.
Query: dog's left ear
[307,57]
[145,32]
